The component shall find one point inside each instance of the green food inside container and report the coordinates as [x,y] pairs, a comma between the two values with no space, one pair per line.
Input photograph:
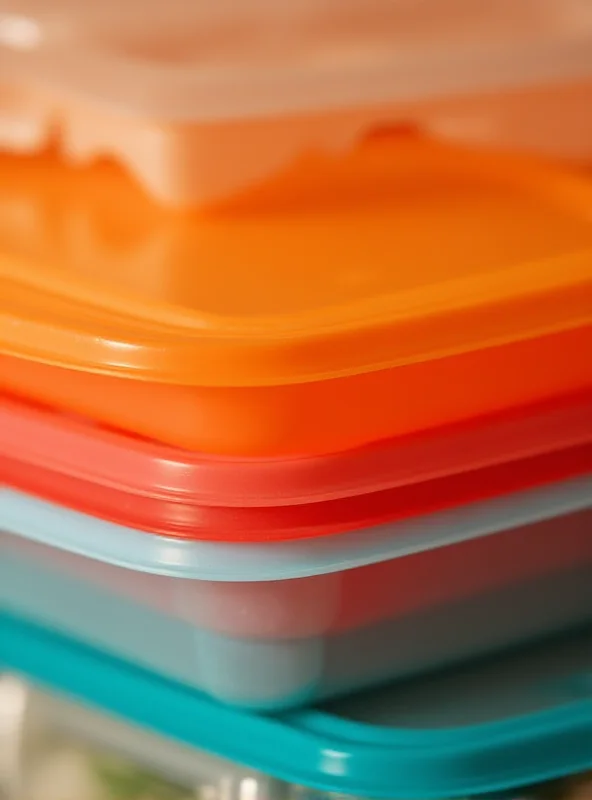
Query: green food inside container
[123,780]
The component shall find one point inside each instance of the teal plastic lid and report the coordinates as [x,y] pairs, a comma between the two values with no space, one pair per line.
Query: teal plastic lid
[517,720]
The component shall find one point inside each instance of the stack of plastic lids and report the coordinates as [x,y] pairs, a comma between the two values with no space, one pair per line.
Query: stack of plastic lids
[335,434]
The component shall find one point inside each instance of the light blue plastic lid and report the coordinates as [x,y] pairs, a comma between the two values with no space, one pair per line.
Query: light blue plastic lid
[517,720]
[72,531]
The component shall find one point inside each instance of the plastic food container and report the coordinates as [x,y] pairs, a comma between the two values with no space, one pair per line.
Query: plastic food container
[499,726]
[235,336]
[275,625]
[206,103]
[85,468]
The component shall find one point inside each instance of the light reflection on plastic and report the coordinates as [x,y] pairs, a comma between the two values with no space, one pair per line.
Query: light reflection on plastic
[19,33]
[13,700]
[13,696]
[248,789]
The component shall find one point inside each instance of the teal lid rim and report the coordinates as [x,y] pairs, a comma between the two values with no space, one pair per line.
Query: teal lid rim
[313,747]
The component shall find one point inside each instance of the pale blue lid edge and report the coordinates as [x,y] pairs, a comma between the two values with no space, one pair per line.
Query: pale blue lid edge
[85,535]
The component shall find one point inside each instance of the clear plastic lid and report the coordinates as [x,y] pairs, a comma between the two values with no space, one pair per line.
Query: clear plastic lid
[216,60]
[204,102]
[507,722]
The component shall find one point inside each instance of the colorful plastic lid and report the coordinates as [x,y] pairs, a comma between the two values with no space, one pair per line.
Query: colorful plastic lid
[138,479]
[303,521]
[518,719]
[301,420]
[405,253]
[54,525]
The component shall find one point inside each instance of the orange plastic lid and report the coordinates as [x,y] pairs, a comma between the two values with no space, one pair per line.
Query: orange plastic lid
[404,252]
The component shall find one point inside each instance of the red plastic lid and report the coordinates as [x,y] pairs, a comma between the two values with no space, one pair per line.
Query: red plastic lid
[81,449]
[180,513]
[215,523]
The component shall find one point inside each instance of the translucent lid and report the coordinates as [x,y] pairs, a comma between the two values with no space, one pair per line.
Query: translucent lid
[262,559]
[192,62]
[405,252]
[518,719]
[189,518]
[110,460]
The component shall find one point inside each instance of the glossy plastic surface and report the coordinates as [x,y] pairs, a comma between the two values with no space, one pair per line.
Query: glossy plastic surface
[341,635]
[206,102]
[139,480]
[268,524]
[247,630]
[68,530]
[96,278]
[235,301]
[317,418]
[517,720]
[63,750]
